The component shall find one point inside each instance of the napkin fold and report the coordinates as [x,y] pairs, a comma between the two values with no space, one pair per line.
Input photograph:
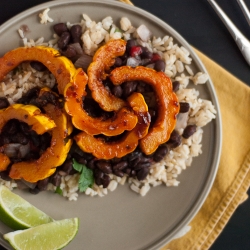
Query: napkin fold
[233,178]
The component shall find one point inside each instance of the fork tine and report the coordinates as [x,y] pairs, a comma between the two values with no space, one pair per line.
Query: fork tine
[242,42]
[244,10]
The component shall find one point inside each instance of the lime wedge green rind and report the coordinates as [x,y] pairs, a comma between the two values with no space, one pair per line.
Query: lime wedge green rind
[18,213]
[54,235]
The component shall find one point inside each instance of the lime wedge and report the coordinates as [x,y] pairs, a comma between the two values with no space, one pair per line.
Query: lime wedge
[17,213]
[53,235]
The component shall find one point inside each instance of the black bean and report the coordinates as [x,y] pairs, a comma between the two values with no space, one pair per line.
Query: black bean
[120,165]
[5,175]
[133,163]
[45,140]
[130,44]
[4,139]
[142,174]
[19,138]
[184,107]
[141,87]
[59,28]
[25,128]
[4,103]
[176,86]
[32,93]
[141,165]
[63,40]
[43,184]
[105,181]
[104,166]
[11,127]
[80,159]
[146,53]
[118,62]
[189,130]
[174,140]
[160,153]
[34,190]
[98,174]
[160,66]
[152,113]
[117,91]
[76,32]
[119,173]
[135,154]
[127,171]
[56,179]
[91,164]
[132,173]
[35,140]
[38,66]
[67,167]
[128,88]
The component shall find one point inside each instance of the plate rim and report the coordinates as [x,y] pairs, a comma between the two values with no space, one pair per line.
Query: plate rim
[181,40]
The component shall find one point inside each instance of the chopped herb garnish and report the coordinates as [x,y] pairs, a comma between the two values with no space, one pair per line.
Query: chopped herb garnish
[59,191]
[86,176]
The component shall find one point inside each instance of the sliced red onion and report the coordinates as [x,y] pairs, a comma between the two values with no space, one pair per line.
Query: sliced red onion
[77,47]
[144,33]
[24,150]
[151,65]
[182,119]
[22,184]
[83,62]
[12,149]
[133,62]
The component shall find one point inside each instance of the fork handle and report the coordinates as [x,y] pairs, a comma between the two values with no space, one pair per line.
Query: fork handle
[241,41]
[244,10]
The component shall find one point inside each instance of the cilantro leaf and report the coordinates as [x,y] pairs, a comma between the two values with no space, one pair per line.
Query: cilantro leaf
[59,191]
[86,176]
[77,166]
[86,179]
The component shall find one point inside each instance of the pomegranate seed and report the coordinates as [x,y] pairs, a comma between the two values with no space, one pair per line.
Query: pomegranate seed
[155,57]
[135,51]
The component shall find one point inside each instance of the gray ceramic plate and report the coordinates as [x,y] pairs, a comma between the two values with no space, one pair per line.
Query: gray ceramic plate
[123,219]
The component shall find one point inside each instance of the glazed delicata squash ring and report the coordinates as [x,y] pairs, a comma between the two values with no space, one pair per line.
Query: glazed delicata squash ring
[167,103]
[54,156]
[61,67]
[125,119]
[26,113]
[128,143]
[103,59]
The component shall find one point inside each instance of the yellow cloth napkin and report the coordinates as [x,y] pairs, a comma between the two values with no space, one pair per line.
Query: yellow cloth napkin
[233,177]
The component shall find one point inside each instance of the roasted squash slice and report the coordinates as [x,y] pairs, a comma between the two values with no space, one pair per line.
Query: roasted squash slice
[103,59]
[32,115]
[61,67]
[167,102]
[125,119]
[54,156]
[4,162]
[108,150]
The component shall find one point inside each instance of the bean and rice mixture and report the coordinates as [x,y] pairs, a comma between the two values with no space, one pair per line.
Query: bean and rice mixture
[161,53]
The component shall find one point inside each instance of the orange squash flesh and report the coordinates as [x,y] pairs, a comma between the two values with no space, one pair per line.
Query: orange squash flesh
[54,156]
[4,162]
[103,59]
[30,114]
[167,103]
[61,67]
[125,119]
[108,150]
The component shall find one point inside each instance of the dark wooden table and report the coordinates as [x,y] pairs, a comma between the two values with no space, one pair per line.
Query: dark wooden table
[197,22]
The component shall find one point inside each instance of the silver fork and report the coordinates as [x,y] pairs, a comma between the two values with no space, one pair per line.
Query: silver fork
[242,42]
